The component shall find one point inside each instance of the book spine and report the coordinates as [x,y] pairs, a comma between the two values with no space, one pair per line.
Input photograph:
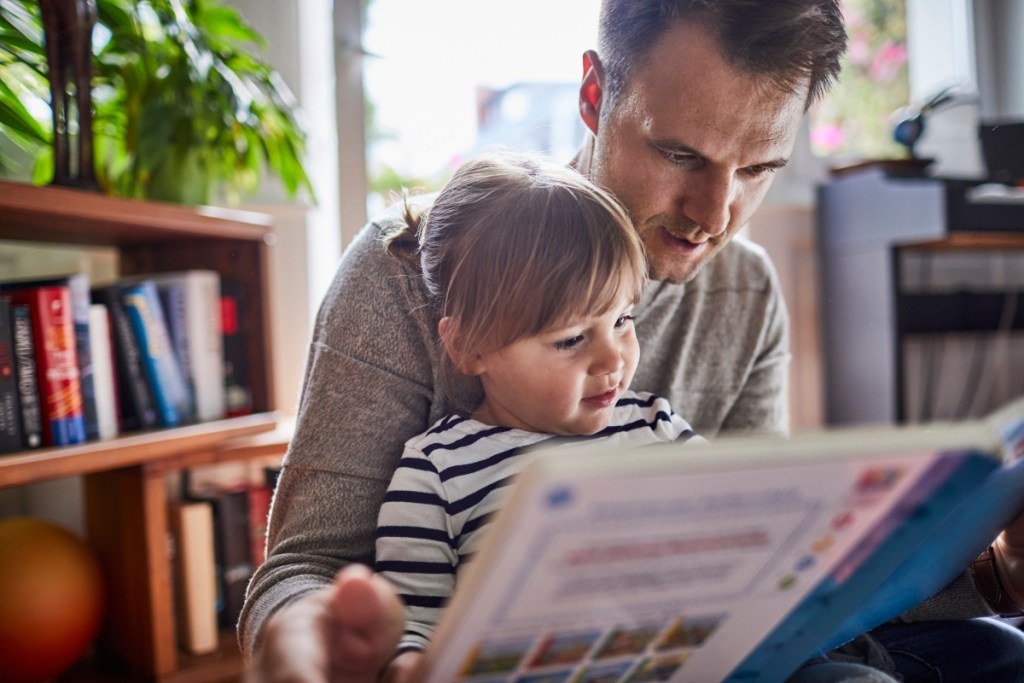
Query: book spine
[174,301]
[78,285]
[28,384]
[231,542]
[207,345]
[259,511]
[105,379]
[238,394]
[166,381]
[137,409]
[60,387]
[233,529]
[10,412]
[195,578]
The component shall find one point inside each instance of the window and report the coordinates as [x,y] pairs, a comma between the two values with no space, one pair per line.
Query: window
[856,118]
[445,79]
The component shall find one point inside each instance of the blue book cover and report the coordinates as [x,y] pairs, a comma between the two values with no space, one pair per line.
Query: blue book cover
[167,381]
[847,605]
[930,541]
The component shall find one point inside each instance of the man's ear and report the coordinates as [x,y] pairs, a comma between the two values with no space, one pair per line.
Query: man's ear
[451,341]
[591,90]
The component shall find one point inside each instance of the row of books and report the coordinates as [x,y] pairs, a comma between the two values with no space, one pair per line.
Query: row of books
[218,527]
[79,362]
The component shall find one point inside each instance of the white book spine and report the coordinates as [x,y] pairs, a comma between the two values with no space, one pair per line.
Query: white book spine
[205,339]
[196,582]
[207,347]
[104,379]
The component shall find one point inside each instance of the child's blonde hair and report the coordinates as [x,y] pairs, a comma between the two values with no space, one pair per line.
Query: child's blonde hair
[515,245]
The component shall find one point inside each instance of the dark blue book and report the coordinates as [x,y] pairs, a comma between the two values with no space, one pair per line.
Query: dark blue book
[135,400]
[27,381]
[167,381]
[10,410]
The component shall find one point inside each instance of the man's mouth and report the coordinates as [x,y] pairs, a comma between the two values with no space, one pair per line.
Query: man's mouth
[680,242]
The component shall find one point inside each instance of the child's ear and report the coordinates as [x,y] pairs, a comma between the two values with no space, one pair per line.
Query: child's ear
[451,340]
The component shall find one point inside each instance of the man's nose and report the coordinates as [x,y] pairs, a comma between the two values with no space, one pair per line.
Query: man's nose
[708,204]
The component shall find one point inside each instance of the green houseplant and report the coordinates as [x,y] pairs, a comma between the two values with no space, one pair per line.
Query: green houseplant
[185,109]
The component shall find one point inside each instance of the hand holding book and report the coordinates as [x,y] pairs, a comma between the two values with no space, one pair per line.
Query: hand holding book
[1008,562]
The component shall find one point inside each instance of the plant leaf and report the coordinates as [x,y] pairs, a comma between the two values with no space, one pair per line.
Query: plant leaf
[15,116]
[224,25]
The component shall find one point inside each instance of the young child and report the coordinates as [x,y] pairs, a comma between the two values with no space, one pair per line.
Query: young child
[535,273]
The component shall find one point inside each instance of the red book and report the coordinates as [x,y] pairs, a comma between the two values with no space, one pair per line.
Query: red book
[60,388]
[259,510]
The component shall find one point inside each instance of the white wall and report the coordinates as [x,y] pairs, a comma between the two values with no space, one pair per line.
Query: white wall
[308,238]
[999,27]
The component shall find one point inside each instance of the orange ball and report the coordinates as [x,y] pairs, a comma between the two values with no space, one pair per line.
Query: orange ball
[52,599]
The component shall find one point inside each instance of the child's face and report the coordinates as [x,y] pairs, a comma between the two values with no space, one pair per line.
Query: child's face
[561,381]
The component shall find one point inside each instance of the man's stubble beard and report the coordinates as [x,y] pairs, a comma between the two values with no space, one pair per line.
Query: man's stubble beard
[669,268]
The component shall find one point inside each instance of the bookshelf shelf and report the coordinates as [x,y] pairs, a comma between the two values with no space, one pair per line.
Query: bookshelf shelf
[175,448]
[125,479]
[64,215]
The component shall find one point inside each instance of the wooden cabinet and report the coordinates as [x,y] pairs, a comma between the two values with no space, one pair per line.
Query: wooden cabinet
[126,515]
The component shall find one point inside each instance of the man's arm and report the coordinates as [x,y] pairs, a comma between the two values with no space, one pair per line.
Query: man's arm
[369,386]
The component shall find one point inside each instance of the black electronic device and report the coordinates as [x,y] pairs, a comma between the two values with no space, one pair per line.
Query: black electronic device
[1002,147]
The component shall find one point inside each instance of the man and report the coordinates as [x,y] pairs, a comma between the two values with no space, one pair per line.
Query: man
[691,105]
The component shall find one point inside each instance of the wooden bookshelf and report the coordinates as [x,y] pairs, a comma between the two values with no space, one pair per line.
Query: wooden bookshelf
[126,500]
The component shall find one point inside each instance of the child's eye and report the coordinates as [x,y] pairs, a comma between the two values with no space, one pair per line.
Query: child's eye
[623,321]
[570,343]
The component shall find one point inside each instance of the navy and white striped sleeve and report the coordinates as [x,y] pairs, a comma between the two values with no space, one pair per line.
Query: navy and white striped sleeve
[416,546]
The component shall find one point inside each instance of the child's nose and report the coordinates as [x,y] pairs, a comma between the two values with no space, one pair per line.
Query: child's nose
[608,359]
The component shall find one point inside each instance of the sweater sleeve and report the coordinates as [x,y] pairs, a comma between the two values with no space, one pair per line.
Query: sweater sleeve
[369,386]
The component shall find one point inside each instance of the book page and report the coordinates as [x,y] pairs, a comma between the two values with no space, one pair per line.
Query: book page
[666,575]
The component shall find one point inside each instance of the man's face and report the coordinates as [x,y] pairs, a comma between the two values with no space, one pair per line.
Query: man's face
[690,148]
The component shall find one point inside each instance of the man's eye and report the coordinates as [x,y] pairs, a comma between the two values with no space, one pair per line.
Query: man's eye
[624,320]
[679,157]
[570,343]
[759,170]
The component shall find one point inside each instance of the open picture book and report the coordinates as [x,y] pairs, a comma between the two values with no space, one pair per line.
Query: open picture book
[738,560]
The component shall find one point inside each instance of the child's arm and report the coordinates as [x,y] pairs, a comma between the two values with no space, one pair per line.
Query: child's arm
[416,546]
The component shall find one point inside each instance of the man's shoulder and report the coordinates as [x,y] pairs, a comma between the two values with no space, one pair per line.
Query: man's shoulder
[368,247]
[371,274]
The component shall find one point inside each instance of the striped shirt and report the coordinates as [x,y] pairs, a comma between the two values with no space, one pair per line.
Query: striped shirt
[450,481]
